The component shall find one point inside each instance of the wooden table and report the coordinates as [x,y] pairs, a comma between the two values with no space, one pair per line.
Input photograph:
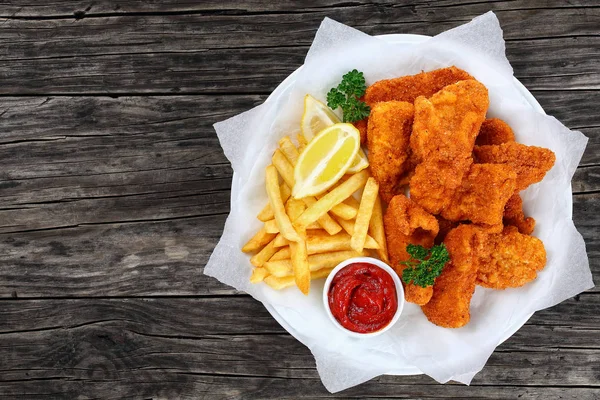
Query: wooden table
[114,191]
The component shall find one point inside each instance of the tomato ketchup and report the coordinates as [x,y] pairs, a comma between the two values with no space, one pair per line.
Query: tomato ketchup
[362,297]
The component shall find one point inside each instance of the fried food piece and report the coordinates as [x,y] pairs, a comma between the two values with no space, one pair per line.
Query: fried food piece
[453,289]
[482,195]
[510,259]
[390,125]
[362,127]
[405,222]
[529,162]
[408,88]
[447,124]
[514,215]
[494,131]
[434,182]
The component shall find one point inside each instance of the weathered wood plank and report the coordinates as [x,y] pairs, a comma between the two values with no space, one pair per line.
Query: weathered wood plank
[83,9]
[168,346]
[168,53]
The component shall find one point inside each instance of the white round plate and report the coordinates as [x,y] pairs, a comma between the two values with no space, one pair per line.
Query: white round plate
[280,313]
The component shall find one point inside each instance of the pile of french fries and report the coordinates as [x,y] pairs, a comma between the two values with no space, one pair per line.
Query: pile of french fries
[304,239]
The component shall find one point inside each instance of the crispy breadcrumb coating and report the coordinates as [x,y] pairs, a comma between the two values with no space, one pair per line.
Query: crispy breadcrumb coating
[405,222]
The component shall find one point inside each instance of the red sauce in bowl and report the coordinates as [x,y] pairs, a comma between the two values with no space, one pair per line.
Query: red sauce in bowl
[362,297]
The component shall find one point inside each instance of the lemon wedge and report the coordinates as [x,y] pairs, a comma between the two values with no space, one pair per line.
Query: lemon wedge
[360,162]
[325,160]
[317,116]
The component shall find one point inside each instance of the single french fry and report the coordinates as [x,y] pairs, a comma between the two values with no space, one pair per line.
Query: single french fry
[289,150]
[282,283]
[332,198]
[363,218]
[271,226]
[266,213]
[284,167]
[258,275]
[281,268]
[342,210]
[283,221]
[258,241]
[280,241]
[348,226]
[300,265]
[377,230]
[326,221]
[264,255]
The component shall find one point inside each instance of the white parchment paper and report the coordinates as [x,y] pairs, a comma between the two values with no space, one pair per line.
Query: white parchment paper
[249,140]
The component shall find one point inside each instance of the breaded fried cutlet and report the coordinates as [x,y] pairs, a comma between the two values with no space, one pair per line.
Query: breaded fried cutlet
[449,306]
[390,126]
[407,223]
[510,259]
[529,162]
[482,195]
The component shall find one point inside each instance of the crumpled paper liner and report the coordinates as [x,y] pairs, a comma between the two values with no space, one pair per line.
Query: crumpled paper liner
[413,344]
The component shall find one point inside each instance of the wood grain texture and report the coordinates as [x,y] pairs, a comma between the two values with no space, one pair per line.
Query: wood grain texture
[187,52]
[114,191]
[186,348]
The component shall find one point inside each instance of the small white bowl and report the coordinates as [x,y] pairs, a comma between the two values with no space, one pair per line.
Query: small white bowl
[377,263]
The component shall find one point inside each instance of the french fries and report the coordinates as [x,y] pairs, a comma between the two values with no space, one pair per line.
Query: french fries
[258,241]
[348,226]
[333,198]
[266,213]
[282,283]
[264,255]
[363,218]
[320,243]
[258,275]
[377,231]
[274,193]
[304,239]
[282,268]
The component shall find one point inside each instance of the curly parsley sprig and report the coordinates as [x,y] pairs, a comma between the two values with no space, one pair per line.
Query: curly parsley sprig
[346,96]
[424,264]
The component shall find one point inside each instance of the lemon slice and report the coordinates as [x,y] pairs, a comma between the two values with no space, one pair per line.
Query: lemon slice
[360,162]
[325,160]
[317,116]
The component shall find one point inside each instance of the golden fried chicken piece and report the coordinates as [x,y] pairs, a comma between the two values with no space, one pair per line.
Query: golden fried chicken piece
[405,222]
[494,131]
[362,127]
[529,162]
[482,195]
[510,259]
[453,289]
[390,126]
[447,124]
[434,182]
[514,215]
[408,88]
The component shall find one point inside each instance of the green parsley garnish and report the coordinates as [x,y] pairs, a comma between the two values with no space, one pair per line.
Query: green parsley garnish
[346,95]
[424,264]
